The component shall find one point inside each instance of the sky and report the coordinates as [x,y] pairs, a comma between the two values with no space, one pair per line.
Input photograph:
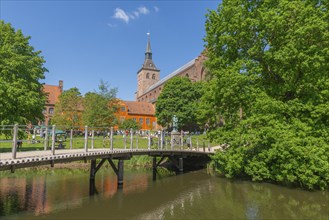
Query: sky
[84,42]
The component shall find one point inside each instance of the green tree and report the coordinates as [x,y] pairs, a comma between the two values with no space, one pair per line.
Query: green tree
[129,123]
[21,68]
[98,107]
[68,110]
[270,59]
[179,97]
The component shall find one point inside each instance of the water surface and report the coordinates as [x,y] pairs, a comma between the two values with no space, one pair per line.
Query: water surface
[64,194]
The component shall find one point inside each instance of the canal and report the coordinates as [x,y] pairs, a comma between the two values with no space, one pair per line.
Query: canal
[64,194]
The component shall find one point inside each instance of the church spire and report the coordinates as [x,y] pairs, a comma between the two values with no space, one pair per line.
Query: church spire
[148,53]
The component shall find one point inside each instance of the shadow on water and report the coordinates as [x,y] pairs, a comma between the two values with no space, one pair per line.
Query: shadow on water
[195,195]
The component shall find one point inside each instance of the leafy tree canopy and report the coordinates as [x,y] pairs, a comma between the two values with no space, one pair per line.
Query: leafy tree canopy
[68,110]
[270,59]
[21,69]
[179,97]
[98,108]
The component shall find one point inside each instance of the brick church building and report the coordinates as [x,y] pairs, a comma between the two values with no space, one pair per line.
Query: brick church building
[149,84]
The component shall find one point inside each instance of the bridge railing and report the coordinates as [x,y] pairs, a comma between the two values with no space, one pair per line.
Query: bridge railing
[19,138]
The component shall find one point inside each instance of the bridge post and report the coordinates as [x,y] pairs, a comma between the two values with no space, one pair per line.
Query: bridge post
[71,139]
[34,135]
[149,140]
[181,140]
[53,140]
[45,144]
[86,138]
[131,138]
[180,165]
[120,173]
[208,146]
[111,138]
[125,139]
[14,147]
[137,142]
[197,144]
[191,147]
[165,142]
[161,139]
[92,139]
[154,168]
[172,142]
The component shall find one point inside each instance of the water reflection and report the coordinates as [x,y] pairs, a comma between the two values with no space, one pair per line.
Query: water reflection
[190,196]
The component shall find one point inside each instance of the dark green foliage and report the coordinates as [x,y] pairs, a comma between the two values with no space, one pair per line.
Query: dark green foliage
[129,123]
[21,68]
[97,110]
[179,97]
[270,59]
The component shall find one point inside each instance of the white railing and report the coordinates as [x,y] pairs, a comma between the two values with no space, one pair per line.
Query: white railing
[49,138]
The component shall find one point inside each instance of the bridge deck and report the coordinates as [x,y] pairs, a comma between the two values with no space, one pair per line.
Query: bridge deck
[37,158]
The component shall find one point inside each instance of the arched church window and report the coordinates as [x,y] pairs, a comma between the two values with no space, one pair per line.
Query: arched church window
[187,75]
[147,75]
[153,76]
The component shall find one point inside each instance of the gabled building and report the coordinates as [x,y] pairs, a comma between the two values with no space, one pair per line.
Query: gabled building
[141,112]
[53,92]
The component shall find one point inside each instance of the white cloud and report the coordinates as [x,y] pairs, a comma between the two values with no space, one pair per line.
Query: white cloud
[156,9]
[127,16]
[143,10]
[121,15]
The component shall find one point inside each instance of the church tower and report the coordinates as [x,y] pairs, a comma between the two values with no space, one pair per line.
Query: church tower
[148,74]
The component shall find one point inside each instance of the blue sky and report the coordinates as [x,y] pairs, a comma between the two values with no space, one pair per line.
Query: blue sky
[86,41]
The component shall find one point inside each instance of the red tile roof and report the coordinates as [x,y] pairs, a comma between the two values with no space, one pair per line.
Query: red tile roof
[53,92]
[139,108]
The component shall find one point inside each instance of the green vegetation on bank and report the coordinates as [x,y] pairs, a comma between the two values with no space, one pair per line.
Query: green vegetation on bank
[268,95]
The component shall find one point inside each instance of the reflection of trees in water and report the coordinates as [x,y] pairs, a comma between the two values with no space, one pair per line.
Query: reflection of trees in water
[188,196]
[227,199]
[23,194]
[10,204]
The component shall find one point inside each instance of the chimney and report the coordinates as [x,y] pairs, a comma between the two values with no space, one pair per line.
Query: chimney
[60,85]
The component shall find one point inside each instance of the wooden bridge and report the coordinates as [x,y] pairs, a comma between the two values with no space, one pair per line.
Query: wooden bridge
[177,155]
[38,158]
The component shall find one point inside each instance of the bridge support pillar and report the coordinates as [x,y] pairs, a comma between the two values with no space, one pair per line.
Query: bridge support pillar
[154,166]
[180,165]
[92,185]
[120,173]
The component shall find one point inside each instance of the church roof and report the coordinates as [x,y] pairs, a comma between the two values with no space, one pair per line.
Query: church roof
[171,75]
[139,108]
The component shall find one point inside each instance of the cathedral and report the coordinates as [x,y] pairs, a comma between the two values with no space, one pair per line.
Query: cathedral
[149,84]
